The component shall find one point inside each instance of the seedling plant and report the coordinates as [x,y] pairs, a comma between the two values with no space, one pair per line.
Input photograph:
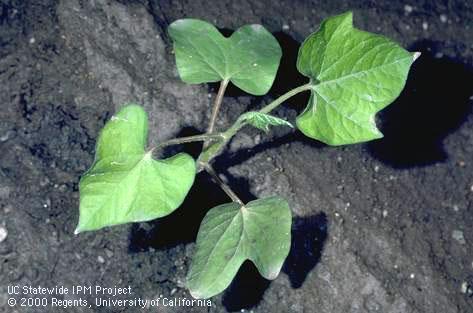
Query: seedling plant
[352,75]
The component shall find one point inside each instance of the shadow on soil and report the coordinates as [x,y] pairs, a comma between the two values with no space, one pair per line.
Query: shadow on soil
[434,103]
[308,238]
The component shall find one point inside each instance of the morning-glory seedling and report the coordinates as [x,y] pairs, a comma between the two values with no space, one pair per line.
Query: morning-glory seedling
[352,75]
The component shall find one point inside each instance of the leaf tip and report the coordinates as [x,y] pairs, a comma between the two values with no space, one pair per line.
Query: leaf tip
[347,17]
[77,230]
[416,55]
[272,273]
[196,295]
[348,14]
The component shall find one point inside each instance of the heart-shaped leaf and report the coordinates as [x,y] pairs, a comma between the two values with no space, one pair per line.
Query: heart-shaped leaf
[126,184]
[249,58]
[230,234]
[354,74]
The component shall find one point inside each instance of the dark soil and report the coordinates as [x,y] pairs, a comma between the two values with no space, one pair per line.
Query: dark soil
[379,227]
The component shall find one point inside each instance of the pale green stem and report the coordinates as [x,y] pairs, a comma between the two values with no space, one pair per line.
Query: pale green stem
[284,97]
[217,104]
[223,185]
[181,140]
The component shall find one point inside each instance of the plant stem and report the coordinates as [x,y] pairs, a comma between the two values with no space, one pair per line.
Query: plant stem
[212,151]
[217,104]
[181,140]
[284,97]
[223,185]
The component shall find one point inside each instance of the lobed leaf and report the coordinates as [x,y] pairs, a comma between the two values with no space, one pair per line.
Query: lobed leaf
[125,184]
[263,121]
[249,58]
[230,233]
[354,74]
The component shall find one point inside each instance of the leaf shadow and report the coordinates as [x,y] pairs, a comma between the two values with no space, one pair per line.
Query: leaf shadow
[308,238]
[288,77]
[309,235]
[434,103]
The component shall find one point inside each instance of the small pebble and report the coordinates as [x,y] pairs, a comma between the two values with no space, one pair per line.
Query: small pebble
[3,233]
[32,40]
[100,259]
[425,26]
[47,203]
[412,276]
[464,287]
[376,168]
[9,134]
[285,27]
[8,208]
[385,213]
[44,182]
[408,8]
[4,192]
[257,139]
[471,188]
[443,18]
[458,236]
[109,253]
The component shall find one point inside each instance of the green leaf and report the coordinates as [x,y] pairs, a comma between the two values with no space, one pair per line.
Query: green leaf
[230,234]
[354,74]
[125,184]
[263,121]
[249,58]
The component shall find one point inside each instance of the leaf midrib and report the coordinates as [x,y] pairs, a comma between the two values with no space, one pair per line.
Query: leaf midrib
[240,239]
[338,79]
[317,89]
[212,251]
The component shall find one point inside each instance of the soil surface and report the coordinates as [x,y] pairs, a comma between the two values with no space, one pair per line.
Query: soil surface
[380,227]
